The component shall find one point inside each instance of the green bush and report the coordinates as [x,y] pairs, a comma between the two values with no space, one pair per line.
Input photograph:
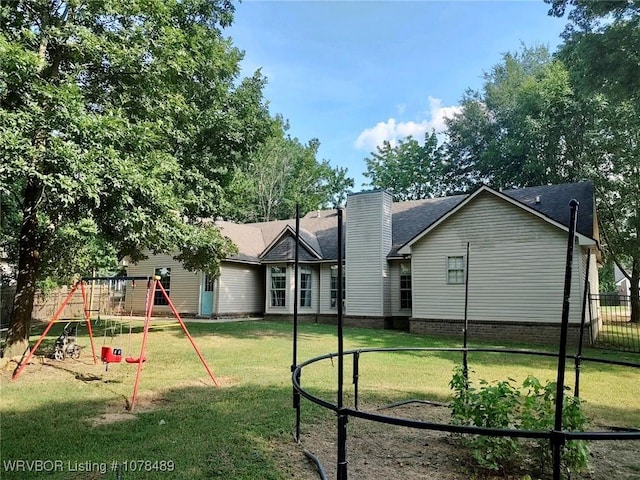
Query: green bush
[502,405]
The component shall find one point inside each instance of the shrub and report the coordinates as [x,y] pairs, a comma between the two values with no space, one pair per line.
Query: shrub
[502,405]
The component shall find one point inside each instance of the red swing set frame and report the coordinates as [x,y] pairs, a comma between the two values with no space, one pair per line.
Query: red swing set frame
[153,284]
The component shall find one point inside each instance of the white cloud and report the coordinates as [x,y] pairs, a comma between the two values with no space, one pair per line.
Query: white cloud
[393,130]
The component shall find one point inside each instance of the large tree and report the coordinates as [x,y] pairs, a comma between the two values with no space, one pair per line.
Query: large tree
[542,119]
[283,173]
[522,128]
[121,122]
[602,52]
[409,169]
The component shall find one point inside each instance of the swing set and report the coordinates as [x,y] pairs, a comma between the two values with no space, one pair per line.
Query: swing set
[110,354]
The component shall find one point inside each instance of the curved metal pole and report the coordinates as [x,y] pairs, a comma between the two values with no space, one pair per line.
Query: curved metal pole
[558,439]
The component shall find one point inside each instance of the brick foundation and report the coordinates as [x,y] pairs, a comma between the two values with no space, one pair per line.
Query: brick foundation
[524,332]
[365,322]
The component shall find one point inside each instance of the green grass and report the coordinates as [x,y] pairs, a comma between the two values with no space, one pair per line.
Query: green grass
[239,431]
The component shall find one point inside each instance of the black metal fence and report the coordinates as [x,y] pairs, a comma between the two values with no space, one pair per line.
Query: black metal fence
[615,330]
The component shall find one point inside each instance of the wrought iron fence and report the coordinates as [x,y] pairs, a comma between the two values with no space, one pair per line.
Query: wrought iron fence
[615,329]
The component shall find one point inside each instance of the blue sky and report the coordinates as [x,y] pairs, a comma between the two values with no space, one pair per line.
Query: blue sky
[355,73]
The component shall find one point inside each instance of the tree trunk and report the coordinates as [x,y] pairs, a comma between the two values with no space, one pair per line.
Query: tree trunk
[635,291]
[28,266]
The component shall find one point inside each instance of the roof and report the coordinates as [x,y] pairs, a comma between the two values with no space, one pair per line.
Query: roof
[274,241]
[554,210]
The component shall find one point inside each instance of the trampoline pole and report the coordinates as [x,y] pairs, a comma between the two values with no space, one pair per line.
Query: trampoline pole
[465,363]
[356,376]
[294,363]
[557,438]
[342,417]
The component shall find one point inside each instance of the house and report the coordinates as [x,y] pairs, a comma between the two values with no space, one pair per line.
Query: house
[406,264]
[623,284]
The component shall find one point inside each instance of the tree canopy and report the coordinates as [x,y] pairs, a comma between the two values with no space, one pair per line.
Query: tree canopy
[519,130]
[543,118]
[280,174]
[410,170]
[601,50]
[120,122]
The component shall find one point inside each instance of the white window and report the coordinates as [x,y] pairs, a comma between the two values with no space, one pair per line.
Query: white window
[305,287]
[209,283]
[455,270]
[278,286]
[334,287]
[165,279]
[405,286]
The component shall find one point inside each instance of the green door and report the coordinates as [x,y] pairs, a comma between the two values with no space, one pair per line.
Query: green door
[206,296]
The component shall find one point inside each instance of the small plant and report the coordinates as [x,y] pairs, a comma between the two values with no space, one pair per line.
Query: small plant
[538,413]
[502,405]
[493,406]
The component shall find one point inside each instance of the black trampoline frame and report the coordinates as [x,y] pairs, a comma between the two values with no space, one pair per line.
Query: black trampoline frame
[557,436]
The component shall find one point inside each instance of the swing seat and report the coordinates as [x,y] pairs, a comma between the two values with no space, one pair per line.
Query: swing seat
[134,360]
[111,355]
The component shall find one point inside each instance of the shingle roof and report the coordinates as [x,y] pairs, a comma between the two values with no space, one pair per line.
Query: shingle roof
[319,228]
[248,238]
[412,217]
[554,203]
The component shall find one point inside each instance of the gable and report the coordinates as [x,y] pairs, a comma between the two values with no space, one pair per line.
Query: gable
[500,202]
[488,221]
[284,249]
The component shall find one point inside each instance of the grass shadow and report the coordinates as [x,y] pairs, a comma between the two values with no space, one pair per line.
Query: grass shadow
[185,433]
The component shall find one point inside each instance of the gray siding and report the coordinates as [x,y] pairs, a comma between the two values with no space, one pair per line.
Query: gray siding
[325,291]
[516,270]
[184,291]
[368,241]
[239,289]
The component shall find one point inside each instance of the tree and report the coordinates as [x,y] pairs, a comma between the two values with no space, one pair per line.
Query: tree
[520,130]
[281,174]
[119,121]
[542,120]
[602,52]
[337,185]
[409,170]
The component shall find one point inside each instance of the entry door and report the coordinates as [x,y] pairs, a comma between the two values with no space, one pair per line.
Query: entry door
[206,295]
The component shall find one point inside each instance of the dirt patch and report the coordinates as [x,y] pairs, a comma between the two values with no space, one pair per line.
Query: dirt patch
[114,417]
[380,451]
